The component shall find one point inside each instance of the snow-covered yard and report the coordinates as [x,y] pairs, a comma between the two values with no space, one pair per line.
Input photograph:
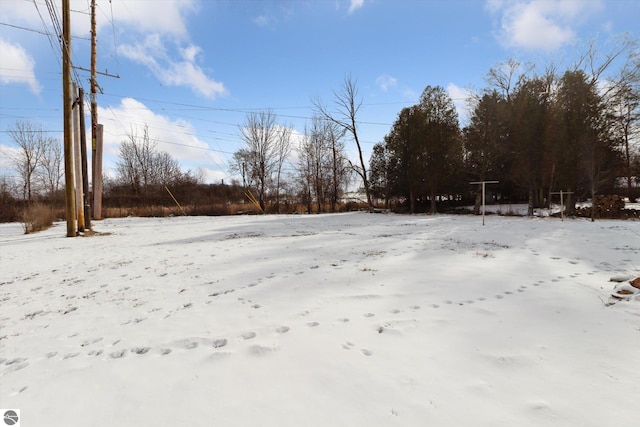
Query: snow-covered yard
[328,320]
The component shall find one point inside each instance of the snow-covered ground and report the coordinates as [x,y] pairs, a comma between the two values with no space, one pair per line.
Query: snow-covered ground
[322,320]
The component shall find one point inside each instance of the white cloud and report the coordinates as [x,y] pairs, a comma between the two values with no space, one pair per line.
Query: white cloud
[262,21]
[153,54]
[126,16]
[355,5]
[540,24]
[176,137]
[20,12]
[166,17]
[386,81]
[17,66]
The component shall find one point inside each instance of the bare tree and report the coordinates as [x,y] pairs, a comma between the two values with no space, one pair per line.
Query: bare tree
[339,172]
[506,75]
[259,156]
[345,116]
[322,166]
[142,166]
[32,148]
[281,151]
[51,168]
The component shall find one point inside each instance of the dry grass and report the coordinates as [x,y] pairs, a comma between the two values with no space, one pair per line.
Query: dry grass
[219,209]
[37,217]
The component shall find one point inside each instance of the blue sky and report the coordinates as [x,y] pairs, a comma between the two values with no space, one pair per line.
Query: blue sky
[192,69]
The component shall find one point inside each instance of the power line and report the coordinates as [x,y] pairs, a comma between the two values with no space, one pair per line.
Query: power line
[196,107]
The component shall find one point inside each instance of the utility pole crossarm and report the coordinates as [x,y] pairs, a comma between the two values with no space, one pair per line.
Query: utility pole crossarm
[115,76]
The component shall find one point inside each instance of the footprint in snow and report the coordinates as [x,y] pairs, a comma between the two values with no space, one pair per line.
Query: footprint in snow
[366,352]
[368,315]
[221,342]
[282,329]
[313,324]
[248,335]
[343,319]
[140,350]
[117,354]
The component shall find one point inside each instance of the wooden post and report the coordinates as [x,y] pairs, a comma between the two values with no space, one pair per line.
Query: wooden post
[483,192]
[97,195]
[77,160]
[562,193]
[70,202]
[97,183]
[83,154]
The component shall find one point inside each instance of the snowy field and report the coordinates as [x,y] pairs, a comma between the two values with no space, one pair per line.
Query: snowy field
[327,320]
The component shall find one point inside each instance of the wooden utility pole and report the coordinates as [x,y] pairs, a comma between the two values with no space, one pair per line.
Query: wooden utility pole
[97,195]
[77,159]
[97,185]
[70,202]
[83,154]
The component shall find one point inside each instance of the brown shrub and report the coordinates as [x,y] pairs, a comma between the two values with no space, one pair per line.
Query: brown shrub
[37,217]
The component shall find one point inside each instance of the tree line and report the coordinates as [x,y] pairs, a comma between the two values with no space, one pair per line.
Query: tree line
[536,134]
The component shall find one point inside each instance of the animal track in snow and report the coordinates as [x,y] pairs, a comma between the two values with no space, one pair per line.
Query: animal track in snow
[117,354]
[282,329]
[348,345]
[313,324]
[140,350]
[248,335]
[221,342]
